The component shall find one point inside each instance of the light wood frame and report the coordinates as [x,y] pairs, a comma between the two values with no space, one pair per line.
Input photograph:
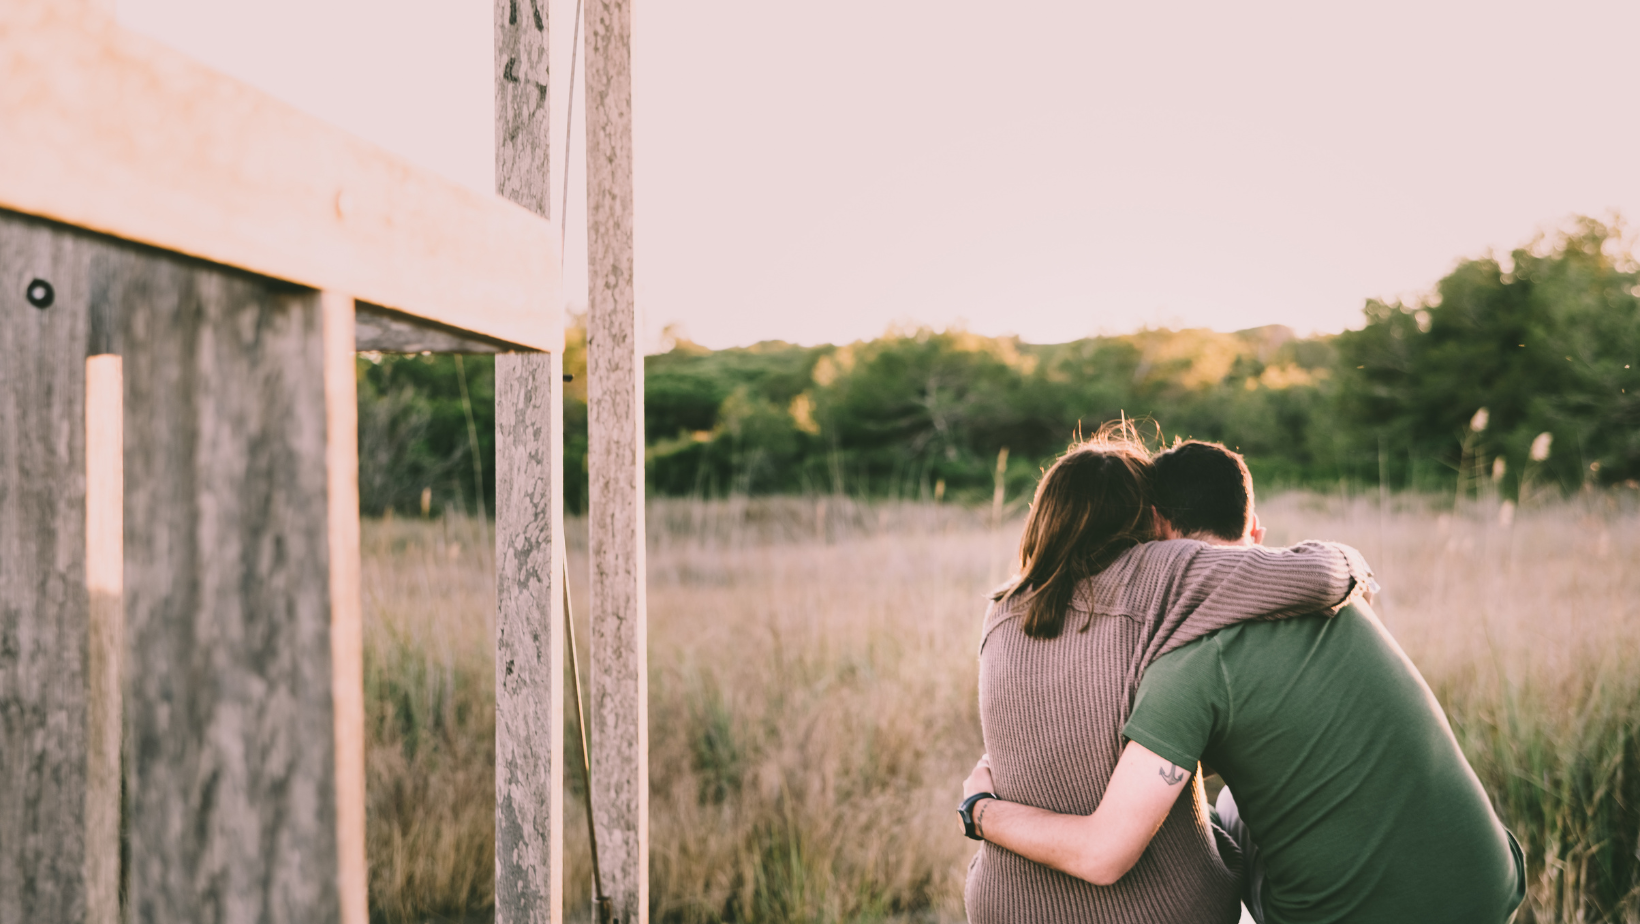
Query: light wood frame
[110,131]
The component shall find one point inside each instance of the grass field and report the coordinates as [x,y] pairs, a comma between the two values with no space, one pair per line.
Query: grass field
[813,692]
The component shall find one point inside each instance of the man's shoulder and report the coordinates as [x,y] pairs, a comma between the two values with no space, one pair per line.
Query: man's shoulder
[1187,660]
[1259,643]
[1252,630]
[1316,651]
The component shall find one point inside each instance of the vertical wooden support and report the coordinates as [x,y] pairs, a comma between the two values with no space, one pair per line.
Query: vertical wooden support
[529,678]
[620,673]
[522,127]
[44,606]
[346,601]
[231,788]
[105,579]
[529,666]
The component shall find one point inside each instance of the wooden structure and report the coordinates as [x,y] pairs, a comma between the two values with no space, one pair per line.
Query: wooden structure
[186,270]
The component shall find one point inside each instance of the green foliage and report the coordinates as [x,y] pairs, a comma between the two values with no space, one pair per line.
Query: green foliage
[724,421]
[1546,345]
[413,432]
[912,410]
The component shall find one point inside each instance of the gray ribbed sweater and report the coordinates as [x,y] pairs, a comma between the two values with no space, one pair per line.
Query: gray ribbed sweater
[1052,712]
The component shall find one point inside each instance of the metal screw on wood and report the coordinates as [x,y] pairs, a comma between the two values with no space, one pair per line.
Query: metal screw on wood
[40,294]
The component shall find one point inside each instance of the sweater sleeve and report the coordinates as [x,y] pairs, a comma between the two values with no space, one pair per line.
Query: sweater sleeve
[1220,586]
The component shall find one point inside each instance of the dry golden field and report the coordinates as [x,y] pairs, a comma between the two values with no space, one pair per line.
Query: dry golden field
[813,687]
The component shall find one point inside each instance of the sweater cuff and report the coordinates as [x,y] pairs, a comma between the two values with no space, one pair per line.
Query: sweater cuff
[1361,581]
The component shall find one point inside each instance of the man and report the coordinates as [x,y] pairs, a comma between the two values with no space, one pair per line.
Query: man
[1351,799]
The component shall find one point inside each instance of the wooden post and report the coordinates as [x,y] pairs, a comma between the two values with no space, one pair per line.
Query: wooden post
[44,605]
[231,773]
[529,660]
[346,601]
[620,673]
[529,682]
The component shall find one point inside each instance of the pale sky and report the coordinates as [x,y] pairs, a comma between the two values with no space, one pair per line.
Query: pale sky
[815,172]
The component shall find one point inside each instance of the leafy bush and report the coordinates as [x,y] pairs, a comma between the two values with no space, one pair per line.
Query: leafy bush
[1544,341]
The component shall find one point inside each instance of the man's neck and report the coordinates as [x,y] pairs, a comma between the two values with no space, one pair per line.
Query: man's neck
[1222,542]
[1254,534]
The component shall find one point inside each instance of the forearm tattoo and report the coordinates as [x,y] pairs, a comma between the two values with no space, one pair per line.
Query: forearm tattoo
[1171,774]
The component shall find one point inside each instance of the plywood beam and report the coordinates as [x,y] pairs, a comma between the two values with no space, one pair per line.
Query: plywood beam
[529,658]
[110,131]
[620,673]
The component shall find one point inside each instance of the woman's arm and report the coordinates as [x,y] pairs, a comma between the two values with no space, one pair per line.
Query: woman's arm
[1222,585]
[1101,847]
[1254,580]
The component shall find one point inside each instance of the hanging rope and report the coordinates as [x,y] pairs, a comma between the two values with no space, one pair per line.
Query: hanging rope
[600,902]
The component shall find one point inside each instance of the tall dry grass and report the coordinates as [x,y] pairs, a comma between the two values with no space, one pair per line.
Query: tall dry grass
[430,719]
[813,697]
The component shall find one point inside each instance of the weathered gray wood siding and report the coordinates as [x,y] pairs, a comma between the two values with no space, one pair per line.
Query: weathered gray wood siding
[44,604]
[230,777]
[620,674]
[529,659]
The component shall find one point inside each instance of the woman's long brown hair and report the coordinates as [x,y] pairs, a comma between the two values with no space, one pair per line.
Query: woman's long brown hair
[1092,505]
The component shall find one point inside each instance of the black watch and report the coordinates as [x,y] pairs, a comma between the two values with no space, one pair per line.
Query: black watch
[966,812]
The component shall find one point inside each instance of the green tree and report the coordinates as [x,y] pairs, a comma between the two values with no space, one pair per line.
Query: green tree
[1545,347]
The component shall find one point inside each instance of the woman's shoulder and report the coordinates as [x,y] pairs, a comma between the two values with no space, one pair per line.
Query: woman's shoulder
[1166,549]
[1006,604]
[1147,558]
[1118,590]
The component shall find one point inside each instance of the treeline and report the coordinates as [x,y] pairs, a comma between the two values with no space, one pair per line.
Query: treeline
[1545,341]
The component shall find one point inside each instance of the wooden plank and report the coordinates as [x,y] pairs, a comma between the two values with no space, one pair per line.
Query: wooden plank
[620,673]
[529,665]
[110,131]
[105,581]
[383,331]
[523,133]
[44,606]
[231,786]
[529,519]
[346,601]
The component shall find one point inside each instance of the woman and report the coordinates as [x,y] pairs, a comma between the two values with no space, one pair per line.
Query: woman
[1062,651]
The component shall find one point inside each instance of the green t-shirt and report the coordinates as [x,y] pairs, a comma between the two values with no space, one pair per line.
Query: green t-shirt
[1343,767]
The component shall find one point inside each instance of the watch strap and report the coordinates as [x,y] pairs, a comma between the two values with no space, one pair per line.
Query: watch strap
[966,812]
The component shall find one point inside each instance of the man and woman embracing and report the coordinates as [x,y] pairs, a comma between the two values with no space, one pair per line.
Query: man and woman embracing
[1150,639]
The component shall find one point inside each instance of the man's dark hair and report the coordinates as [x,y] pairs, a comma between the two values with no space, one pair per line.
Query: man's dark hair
[1203,488]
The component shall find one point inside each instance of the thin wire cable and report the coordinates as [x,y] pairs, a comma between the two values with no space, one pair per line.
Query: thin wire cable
[601,904]
[569,127]
[600,900]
